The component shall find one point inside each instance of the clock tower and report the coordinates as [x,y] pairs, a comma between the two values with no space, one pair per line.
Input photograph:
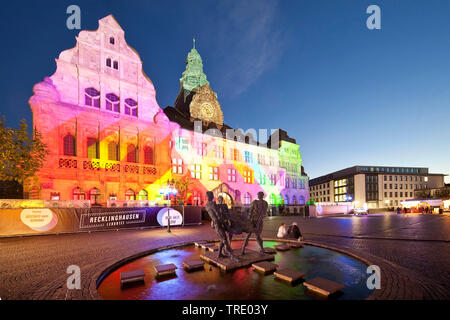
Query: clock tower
[196,98]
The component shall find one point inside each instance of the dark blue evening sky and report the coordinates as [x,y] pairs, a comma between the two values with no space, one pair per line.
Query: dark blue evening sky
[347,94]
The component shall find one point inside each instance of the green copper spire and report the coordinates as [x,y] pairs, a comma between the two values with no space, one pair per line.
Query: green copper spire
[193,77]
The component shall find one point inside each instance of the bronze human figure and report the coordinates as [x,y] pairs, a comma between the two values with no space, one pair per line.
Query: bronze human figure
[258,210]
[220,223]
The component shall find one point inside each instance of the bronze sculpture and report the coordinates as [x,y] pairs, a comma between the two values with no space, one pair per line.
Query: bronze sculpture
[226,225]
[220,223]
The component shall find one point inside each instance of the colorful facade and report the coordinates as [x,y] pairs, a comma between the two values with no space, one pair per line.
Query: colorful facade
[109,139]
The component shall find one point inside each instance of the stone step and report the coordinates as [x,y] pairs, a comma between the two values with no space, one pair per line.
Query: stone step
[270,250]
[265,267]
[191,265]
[134,276]
[295,245]
[200,243]
[323,286]
[289,275]
[211,247]
[165,269]
[282,247]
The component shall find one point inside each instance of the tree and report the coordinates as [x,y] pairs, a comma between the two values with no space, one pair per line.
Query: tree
[21,155]
[182,186]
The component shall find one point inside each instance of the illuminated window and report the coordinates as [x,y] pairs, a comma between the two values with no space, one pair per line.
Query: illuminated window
[69,145]
[218,152]
[181,144]
[131,153]
[94,196]
[177,166]
[200,148]
[248,157]
[301,200]
[248,176]
[78,194]
[92,148]
[113,151]
[286,200]
[92,97]
[273,179]
[261,178]
[148,155]
[234,154]
[112,102]
[129,195]
[231,175]
[143,195]
[213,173]
[131,107]
[196,171]
[288,182]
[272,199]
[247,198]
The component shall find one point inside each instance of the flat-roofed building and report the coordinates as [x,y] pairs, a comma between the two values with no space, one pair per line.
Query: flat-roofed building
[375,186]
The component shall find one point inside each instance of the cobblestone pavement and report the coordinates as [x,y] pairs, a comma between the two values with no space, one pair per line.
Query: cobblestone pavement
[413,252]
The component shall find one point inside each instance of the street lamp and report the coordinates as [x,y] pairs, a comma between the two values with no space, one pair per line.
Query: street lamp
[168,190]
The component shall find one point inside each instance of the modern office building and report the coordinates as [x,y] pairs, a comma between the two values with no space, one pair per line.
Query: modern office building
[109,139]
[373,186]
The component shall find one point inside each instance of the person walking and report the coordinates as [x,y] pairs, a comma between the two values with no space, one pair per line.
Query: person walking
[282,231]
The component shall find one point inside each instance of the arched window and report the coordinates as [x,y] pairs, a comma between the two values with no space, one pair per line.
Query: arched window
[108,62]
[94,196]
[247,198]
[301,200]
[129,195]
[272,199]
[78,194]
[112,102]
[92,97]
[294,200]
[92,148]
[148,155]
[112,151]
[143,195]
[286,200]
[69,145]
[131,107]
[131,153]
[237,195]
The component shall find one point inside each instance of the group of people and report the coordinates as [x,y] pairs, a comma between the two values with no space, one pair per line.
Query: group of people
[293,232]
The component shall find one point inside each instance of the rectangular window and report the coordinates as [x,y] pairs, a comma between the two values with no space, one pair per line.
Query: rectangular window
[196,171]
[261,178]
[213,173]
[218,152]
[231,175]
[248,156]
[248,176]
[92,147]
[200,148]
[234,154]
[177,166]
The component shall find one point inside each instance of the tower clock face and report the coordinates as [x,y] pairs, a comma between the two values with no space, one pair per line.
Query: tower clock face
[207,111]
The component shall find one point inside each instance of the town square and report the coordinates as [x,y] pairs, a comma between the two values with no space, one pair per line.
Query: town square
[237,153]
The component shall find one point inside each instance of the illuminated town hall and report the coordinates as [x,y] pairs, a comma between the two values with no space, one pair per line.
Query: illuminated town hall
[110,141]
